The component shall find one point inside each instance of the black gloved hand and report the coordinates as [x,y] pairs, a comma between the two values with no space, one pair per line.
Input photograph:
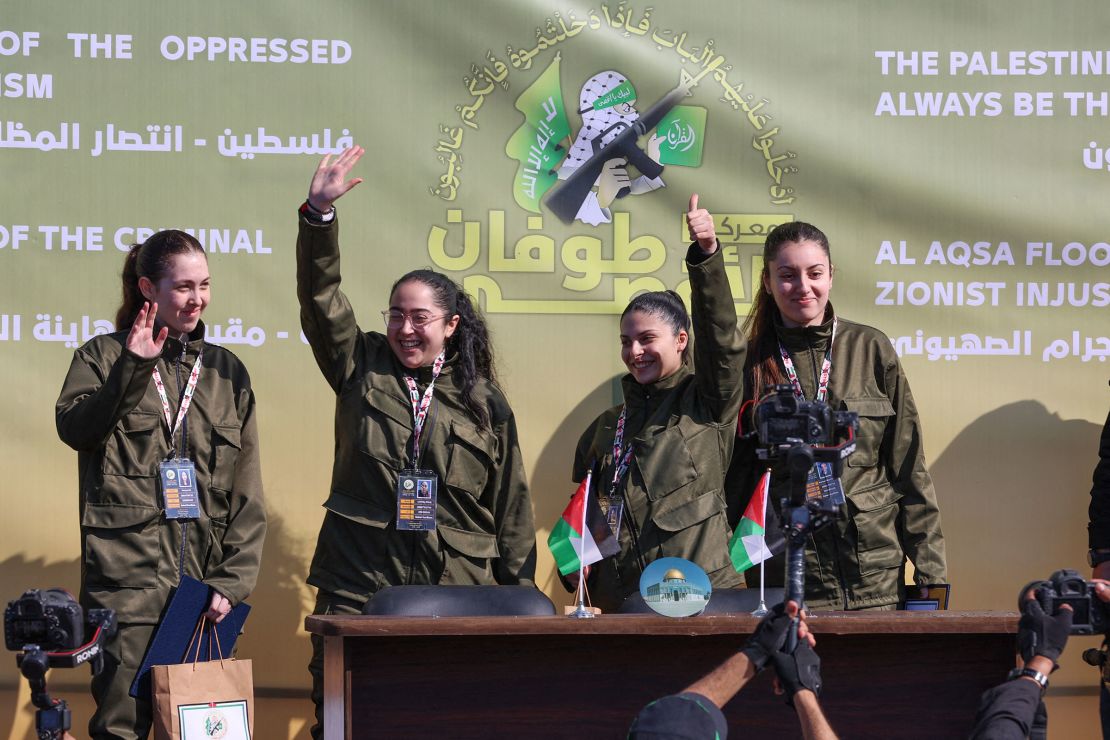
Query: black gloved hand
[798,670]
[1041,634]
[769,636]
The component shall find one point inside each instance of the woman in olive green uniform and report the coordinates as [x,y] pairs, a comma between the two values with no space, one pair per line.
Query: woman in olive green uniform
[891,509]
[152,393]
[417,410]
[660,458]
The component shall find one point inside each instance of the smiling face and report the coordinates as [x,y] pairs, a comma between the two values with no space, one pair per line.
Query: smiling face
[650,348]
[418,346]
[799,278]
[182,293]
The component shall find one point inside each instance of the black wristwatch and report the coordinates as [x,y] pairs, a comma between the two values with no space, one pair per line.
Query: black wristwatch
[1097,557]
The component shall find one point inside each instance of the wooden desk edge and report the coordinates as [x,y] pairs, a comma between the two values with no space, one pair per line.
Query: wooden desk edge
[826,623]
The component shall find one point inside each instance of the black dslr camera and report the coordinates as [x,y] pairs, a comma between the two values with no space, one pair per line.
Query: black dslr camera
[49,618]
[782,419]
[50,630]
[1090,615]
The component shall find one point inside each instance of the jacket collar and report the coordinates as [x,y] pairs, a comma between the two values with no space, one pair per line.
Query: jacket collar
[796,338]
[423,375]
[192,344]
[635,393]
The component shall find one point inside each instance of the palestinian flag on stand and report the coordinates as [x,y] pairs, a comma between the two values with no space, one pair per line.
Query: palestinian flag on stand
[750,545]
[582,536]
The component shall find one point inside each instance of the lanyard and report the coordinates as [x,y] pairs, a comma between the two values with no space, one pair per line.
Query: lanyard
[826,370]
[621,463]
[186,397]
[420,405]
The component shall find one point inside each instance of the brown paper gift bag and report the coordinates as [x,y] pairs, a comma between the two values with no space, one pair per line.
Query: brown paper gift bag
[213,695]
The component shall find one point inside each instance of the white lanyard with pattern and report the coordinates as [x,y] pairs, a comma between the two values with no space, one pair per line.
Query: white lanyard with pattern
[186,398]
[420,404]
[826,370]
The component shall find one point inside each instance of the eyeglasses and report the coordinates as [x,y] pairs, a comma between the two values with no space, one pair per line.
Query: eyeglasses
[395,319]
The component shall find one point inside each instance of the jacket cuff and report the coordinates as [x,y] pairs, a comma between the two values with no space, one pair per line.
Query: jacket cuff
[309,216]
[694,255]
[1098,535]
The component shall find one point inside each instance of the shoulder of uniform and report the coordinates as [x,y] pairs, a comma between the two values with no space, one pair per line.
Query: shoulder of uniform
[216,356]
[847,327]
[105,346]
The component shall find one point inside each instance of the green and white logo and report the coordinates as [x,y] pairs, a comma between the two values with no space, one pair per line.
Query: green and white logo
[683,133]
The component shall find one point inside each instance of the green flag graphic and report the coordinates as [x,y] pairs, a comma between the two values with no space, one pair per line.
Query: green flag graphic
[536,143]
[683,132]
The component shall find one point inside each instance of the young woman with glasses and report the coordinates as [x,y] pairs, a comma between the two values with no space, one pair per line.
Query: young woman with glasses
[428,484]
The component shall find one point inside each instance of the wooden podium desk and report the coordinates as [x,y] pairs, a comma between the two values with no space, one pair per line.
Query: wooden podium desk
[886,675]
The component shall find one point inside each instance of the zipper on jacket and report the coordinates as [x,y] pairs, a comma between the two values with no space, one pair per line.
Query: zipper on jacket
[180,453]
[181,556]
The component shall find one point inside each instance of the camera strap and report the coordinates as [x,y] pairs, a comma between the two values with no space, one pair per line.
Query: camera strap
[826,370]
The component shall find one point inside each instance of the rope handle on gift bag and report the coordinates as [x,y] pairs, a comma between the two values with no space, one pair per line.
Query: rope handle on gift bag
[198,638]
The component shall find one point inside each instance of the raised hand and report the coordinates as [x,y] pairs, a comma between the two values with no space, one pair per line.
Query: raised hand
[330,180]
[142,340]
[700,223]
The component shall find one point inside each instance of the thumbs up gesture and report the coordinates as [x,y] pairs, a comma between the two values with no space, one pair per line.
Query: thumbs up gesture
[700,223]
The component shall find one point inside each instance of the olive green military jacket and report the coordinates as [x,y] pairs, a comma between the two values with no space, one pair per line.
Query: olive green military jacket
[485,532]
[891,510]
[683,428]
[110,412]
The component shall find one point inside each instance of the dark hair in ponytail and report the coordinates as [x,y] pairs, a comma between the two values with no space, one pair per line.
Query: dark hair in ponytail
[667,305]
[763,348]
[152,260]
[471,340]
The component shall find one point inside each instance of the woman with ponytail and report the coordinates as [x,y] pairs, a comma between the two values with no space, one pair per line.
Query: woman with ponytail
[149,406]
[796,338]
[428,484]
[658,460]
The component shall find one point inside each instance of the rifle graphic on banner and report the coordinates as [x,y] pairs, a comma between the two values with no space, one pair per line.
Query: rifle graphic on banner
[566,199]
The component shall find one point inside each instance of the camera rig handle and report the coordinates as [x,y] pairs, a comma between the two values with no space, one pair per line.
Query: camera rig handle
[802,518]
[52,720]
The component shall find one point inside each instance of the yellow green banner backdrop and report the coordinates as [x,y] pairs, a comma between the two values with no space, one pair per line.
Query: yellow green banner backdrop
[957,154]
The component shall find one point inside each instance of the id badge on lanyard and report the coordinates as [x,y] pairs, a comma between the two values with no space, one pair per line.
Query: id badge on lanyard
[178,475]
[179,488]
[821,483]
[416,500]
[417,489]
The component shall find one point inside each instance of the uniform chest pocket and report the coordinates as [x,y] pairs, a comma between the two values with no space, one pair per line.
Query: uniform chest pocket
[136,446]
[875,413]
[665,463]
[226,445]
[471,459]
[384,428]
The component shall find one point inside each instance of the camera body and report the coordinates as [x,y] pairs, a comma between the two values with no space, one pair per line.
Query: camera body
[49,618]
[783,419]
[1090,615]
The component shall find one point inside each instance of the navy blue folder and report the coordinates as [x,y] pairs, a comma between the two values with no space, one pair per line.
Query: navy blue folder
[173,634]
